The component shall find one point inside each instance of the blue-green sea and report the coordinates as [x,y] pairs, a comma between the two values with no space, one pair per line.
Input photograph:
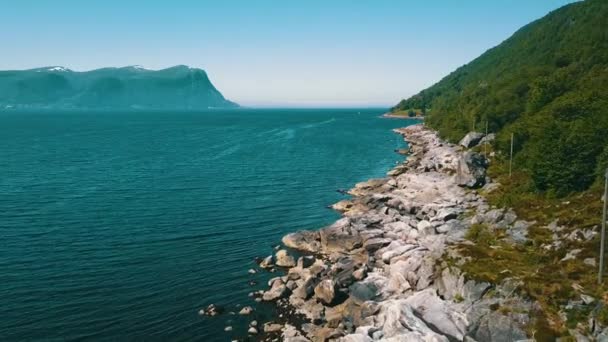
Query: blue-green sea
[121,226]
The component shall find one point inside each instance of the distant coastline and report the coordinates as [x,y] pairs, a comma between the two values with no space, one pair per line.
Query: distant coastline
[128,88]
[392,115]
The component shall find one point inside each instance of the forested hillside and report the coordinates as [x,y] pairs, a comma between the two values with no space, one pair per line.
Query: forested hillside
[547,84]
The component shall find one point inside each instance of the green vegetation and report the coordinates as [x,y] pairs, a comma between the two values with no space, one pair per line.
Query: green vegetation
[411,113]
[481,234]
[458,298]
[547,84]
[545,277]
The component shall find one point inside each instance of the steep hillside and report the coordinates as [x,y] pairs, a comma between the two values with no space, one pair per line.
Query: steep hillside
[179,87]
[548,85]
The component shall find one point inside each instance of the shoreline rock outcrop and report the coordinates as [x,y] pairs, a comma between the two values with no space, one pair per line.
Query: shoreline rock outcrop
[471,139]
[380,273]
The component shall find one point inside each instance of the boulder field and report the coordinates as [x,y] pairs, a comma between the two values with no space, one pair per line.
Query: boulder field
[380,273]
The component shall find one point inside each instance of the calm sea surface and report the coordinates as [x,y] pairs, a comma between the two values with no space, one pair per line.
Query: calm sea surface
[121,226]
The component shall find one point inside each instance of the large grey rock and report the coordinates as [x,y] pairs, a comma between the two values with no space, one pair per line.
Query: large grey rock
[339,237]
[424,227]
[587,299]
[284,259]
[395,203]
[488,139]
[602,335]
[496,327]
[356,338]
[471,139]
[571,255]
[474,291]
[306,289]
[471,171]
[246,310]
[277,291]
[305,261]
[325,291]
[291,334]
[398,321]
[322,333]
[375,243]
[395,250]
[361,292]
[449,226]
[493,216]
[518,233]
[314,311]
[425,273]
[437,314]
[510,217]
[589,262]
[267,262]
[450,283]
[403,274]
[367,187]
[446,214]
[303,240]
[270,327]
[343,271]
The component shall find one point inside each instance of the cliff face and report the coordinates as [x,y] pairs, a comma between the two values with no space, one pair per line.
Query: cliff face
[179,87]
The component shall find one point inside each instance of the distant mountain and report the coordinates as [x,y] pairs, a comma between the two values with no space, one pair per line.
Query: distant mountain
[133,87]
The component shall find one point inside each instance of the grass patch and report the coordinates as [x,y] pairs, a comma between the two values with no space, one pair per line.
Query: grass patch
[546,279]
[411,113]
[458,298]
[481,234]
[602,314]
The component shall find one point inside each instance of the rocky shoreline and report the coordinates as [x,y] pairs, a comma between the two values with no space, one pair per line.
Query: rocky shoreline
[390,115]
[388,270]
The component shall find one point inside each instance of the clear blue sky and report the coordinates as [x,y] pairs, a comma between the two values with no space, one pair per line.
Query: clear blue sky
[269,53]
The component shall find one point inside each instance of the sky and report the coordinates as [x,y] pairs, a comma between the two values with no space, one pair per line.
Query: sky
[311,53]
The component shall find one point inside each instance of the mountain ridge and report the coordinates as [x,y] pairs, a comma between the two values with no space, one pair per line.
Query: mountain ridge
[131,87]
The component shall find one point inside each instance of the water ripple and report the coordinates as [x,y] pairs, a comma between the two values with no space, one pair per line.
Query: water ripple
[121,226]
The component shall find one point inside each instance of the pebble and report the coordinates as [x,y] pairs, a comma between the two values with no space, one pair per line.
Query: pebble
[246,310]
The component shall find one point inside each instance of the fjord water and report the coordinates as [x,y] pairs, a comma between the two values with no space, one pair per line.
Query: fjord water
[121,226]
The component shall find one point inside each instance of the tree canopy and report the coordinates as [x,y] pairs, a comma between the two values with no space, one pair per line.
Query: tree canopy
[547,84]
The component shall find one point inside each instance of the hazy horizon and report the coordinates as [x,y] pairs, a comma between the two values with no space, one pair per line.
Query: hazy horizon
[266,55]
